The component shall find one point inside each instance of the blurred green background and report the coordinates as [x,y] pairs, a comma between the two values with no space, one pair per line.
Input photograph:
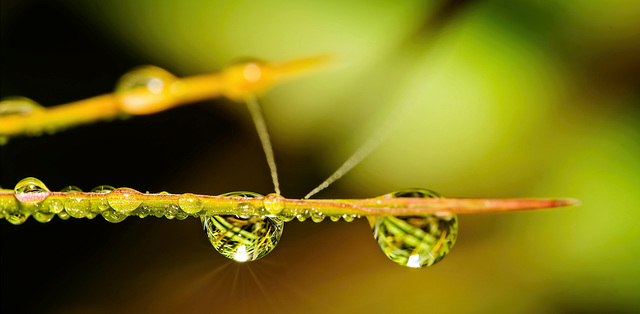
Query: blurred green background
[496,99]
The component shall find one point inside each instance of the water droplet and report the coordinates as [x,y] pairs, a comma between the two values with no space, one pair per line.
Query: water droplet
[317,216]
[180,215]
[54,205]
[71,188]
[147,89]
[348,218]
[102,203]
[63,215]
[113,216]
[102,189]
[273,203]
[31,191]
[243,239]
[76,205]
[190,203]
[246,209]
[415,241]
[124,200]
[334,218]
[18,105]
[43,217]
[16,218]
[301,218]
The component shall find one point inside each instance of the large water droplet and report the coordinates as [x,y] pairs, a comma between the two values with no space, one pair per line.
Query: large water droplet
[124,200]
[31,191]
[415,241]
[243,238]
[147,89]
[190,203]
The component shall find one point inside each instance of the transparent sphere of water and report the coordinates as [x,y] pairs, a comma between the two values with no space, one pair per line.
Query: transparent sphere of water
[243,238]
[415,241]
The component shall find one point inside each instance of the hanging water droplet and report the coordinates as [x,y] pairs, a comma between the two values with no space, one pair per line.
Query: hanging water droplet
[43,217]
[415,241]
[63,215]
[113,216]
[17,218]
[102,203]
[243,238]
[348,218]
[147,89]
[190,203]
[334,218]
[124,200]
[31,191]
[317,216]
[18,105]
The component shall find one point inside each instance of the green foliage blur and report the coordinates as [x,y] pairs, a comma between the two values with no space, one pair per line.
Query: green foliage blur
[496,99]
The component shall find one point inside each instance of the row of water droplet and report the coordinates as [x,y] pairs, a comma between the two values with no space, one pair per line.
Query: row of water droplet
[413,241]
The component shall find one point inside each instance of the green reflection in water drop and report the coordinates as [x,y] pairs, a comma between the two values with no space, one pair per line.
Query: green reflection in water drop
[243,238]
[415,241]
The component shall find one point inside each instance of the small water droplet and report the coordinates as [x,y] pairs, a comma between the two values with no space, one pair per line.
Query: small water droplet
[124,200]
[102,203]
[71,188]
[76,205]
[63,215]
[348,218]
[147,89]
[334,218]
[43,217]
[181,215]
[415,241]
[273,203]
[31,191]
[18,105]
[113,216]
[102,189]
[54,205]
[243,239]
[317,216]
[17,218]
[190,203]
